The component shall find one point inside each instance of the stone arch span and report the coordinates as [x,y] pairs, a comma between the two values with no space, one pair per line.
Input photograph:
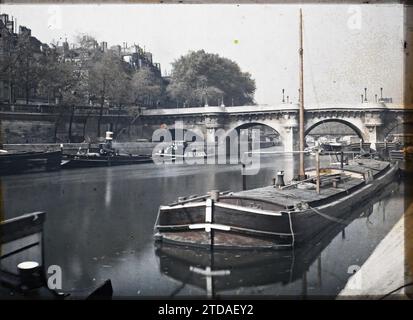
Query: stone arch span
[285,133]
[358,129]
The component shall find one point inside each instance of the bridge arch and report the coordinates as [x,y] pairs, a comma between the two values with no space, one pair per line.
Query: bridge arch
[396,126]
[184,132]
[278,130]
[356,129]
[248,125]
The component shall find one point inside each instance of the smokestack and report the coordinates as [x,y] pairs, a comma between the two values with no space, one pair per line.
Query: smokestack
[365,94]
[381,93]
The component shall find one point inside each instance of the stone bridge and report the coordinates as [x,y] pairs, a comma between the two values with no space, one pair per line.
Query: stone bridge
[372,122]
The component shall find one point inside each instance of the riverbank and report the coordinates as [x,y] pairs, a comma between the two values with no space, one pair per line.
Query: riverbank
[385,270]
[143,148]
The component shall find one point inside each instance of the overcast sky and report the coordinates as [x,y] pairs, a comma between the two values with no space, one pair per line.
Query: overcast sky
[346,47]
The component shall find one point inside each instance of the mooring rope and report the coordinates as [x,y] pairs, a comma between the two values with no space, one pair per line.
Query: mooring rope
[291,229]
[338,220]
[326,216]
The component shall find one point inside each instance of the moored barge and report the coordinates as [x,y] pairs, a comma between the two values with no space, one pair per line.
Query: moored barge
[26,162]
[273,217]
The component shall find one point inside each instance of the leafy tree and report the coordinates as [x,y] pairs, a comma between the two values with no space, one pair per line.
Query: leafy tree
[146,87]
[106,78]
[87,48]
[23,65]
[56,76]
[86,42]
[199,78]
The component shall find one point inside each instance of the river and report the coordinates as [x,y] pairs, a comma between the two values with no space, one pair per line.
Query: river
[100,222]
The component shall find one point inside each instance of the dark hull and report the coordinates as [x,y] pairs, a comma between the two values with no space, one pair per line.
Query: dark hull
[103,161]
[29,162]
[245,223]
[355,147]
[331,147]
[231,269]
[173,158]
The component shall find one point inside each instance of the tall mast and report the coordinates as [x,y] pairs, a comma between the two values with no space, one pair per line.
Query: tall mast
[301,113]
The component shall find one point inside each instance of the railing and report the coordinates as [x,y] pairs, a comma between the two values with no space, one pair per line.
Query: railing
[55,109]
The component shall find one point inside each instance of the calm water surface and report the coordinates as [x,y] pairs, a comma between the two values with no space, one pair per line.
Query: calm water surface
[100,221]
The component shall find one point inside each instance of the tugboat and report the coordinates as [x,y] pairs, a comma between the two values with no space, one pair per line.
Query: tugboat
[278,216]
[102,156]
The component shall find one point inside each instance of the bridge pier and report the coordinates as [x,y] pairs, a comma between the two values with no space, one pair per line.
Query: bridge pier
[371,136]
[289,138]
[373,129]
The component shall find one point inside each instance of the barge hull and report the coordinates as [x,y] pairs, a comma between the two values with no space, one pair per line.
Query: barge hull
[224,224]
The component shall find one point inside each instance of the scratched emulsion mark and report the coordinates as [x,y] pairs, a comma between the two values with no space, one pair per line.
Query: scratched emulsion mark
[1,196]
[408,195]
[1,214]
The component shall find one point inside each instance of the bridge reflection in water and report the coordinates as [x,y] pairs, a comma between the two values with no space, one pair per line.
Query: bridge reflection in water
[219,271]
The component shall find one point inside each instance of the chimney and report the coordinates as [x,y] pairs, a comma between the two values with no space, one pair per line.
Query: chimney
[381,93]
[9,24]
[4,18]
[365,94]
[104,46]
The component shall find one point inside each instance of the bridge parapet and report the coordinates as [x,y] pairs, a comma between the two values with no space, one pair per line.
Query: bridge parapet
[371,121]
[219,110]
[284,107]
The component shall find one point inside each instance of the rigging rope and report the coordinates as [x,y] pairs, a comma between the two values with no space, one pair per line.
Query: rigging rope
[317,101]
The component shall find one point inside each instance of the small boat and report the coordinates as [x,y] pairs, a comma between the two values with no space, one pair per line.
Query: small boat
[102,156]
[92,160]
[332,146]
[363,147]
[180,150]
[26,162]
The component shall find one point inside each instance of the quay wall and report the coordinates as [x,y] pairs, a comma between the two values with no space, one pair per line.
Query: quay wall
[144,148]
[23,128]
[387,267]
